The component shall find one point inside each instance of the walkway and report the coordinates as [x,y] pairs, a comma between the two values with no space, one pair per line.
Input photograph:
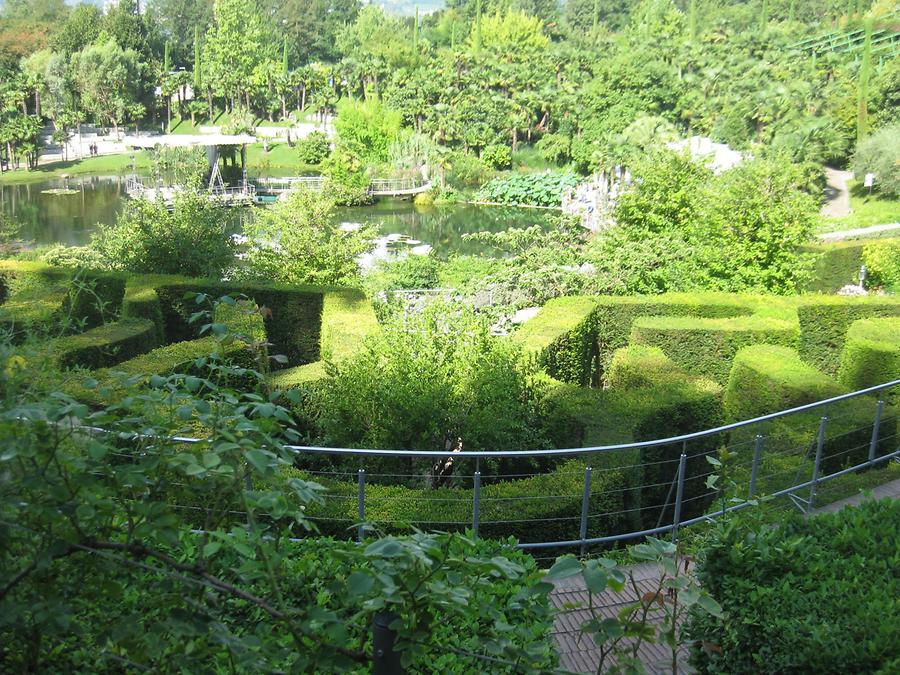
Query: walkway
[580,654]
[858,232]
[837,194]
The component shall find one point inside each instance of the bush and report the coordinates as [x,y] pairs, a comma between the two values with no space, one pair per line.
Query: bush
[814,595]
[824,322]
[103,346]
[466,171]
[879,153]
[882,261]
[410,272]
[639,366]
[32,296]
[314,149]
[871,353]
[367,128]
[497,156]
[707,346]
[532,189]
[298,241]
[189,239]
[72,256]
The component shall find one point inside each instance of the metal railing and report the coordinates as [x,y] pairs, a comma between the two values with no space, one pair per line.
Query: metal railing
[790,453]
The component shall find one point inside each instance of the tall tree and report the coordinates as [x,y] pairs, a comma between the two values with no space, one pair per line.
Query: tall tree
[235,46]
[865,73]
[108,78]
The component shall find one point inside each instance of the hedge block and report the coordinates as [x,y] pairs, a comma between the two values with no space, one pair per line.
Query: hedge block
[706,347]
[103,346]
[348,318]
[825,320]
[639,366]
[94,298]
[871,354]
[33,296]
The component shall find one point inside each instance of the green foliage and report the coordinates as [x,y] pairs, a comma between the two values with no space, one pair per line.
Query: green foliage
[497,156]
[189,239]
[108,78]
[72,256]
[880,154]
[706,347]
[298,242]
[466,171]
[103,346]
[871,353]
[533,189]
[435,381]
[410,272]
[512,32]
[824,322]
[818,592]
[882,260]
[367,128]
[348,182]
[681,228]
[314,149]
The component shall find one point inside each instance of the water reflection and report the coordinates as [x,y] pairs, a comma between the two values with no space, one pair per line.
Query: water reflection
[71,218]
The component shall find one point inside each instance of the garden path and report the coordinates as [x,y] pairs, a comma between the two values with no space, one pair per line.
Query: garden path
[837,195]
[580,655]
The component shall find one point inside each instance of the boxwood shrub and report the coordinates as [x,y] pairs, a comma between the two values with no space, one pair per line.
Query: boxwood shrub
[105,345]
[824,321]
[707,347]
[871,354]
[815,595]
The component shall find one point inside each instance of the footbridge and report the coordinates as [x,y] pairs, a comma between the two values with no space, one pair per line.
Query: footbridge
[378,187]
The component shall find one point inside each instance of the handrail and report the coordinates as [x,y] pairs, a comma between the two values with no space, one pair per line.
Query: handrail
[683,438]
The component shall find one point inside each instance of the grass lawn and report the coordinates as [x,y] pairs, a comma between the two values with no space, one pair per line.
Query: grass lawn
[281,159]
[103,165]
[865,210]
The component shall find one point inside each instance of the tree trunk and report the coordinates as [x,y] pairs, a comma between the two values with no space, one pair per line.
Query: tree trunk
[283,107]
[303,99]
[37,102]
[209,102]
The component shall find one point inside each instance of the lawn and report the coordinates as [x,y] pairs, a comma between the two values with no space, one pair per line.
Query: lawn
[865,210]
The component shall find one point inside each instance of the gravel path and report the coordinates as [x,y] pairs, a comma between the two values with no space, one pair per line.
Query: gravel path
[837,196]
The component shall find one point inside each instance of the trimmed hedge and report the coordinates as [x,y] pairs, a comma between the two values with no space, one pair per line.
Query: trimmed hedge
[94,298]
[765,379]
[519,508]
[816,595]
[681,404]
[105,345]
[32,295]
[871,354]
[639,366]
[347,319]
[706,347]
[825,320]
[578,340]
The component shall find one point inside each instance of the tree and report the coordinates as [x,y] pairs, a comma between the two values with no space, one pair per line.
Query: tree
[108,79]
[180,21]
[40,11]
[879,154]
[312,26]
[511,32]
[235,45]
[81,28]
[367,128]
[300,242]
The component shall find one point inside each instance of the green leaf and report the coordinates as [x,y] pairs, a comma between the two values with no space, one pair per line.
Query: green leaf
[359,583]
[211,548]
[595,580]
[85,511]
[564,568]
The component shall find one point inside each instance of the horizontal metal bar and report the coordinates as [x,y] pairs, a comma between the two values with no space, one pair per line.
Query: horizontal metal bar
[600,448]
[706,517]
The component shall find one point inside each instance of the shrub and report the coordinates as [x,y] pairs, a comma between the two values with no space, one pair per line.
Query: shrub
[882,261]
[824,322]
[72,256]
[367,128]
[105,345]
[707,346]
[879,153]
[314,149]
[816,595]
[639,366]
[466,171]
[298,241]
[871,353]
[497,156]
[32,296]
[410,272]
[190,239]
[532,189]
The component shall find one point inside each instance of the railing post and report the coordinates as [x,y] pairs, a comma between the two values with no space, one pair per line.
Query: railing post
[757,455]
[679,492]
[820,444]
[873,446]
[585,505]
[476,501]
[361,501]
[385,659]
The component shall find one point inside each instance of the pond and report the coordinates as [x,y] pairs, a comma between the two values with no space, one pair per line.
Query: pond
[70,218]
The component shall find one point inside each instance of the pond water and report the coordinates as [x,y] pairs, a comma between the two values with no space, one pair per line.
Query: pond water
[70,218]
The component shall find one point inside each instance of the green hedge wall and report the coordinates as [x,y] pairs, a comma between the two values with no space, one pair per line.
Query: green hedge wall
[766,379]
[105,345]
[639,366]
[871,354]
[825,320]
[581,417]
[578,335]
[803,595]
[539,508]
[32,295]
[94,298]
[706,347]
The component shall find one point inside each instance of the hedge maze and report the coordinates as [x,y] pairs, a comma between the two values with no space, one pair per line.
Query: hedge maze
[613,370]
